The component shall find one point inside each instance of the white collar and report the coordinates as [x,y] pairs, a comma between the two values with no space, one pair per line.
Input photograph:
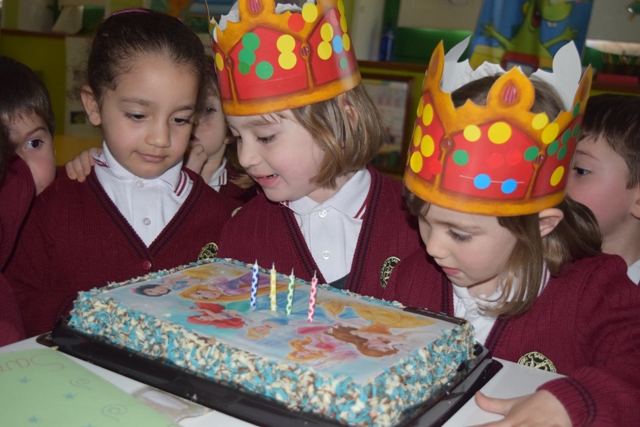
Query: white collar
[634,272]
[171,176]
[349,200]
[484,302]
[219,177]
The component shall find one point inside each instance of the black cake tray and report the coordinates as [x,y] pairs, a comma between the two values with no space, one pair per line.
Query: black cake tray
[256,409]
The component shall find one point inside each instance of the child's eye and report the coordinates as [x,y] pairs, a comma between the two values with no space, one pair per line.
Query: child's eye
[266,139]
[580,171]
[459,237]
[135,117]
[181,122]
[35,143]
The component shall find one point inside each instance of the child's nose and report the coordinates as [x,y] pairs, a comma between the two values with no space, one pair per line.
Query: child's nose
[247,155]
[158,135]
[434,246]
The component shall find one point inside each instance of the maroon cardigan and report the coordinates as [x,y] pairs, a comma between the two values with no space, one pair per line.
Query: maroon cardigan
[17,191]
[76,239]
[586,321]
[269,232]
[236,196]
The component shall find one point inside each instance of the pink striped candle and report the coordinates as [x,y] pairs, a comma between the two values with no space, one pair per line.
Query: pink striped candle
[312,298]
[274,306]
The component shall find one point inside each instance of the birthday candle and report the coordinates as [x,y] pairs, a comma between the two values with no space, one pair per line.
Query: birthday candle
[290,293]
[254,284]
[312,298]
[273,288]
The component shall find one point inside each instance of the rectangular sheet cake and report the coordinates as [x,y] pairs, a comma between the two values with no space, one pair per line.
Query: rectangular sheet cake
[360,361]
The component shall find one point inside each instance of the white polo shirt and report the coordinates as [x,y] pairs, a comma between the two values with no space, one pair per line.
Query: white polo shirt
[331,229]
[147,204]
[634,272]
[219,178]
[469,307]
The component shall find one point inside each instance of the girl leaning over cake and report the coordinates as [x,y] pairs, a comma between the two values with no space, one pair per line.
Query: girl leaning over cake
[305,131]
[138,211]
[506,250]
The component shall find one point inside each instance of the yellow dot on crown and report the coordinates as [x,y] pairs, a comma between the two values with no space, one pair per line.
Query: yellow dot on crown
[326,32]
[499,133]
[472,133]
[219,62]
[420,107]
[427,146]
[417,136]
[309,12]
[416,162]
[343,24]
[346,42]
[341,7]
[540,121]
[287,60]
[427,114]
[286,43]
[550,133]
[556,176]
[324,50]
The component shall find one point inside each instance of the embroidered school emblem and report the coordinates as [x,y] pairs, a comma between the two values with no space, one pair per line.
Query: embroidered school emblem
[210,250]
[537,360]
[387,268]
[235,211]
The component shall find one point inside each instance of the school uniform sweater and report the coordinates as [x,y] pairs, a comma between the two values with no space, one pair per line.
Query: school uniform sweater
[77,239]
[586,322]
[268,232]
[17,191]
[237,196]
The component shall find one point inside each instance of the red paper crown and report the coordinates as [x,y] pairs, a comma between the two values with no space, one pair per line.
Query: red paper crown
[500,159]
[268,61]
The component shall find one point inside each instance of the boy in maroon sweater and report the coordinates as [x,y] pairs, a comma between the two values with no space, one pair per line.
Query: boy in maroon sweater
[509,253]
[27,166]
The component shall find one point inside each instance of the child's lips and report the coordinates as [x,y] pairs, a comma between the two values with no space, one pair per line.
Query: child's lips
[265,179]
[450,271]
[152,158]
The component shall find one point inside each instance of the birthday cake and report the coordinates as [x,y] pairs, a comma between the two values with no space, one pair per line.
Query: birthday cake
[341,356]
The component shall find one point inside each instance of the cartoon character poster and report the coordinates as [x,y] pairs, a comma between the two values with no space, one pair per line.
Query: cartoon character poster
[527,33]
[347,336]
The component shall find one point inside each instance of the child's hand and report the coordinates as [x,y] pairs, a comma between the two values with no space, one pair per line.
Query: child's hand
[538,409]
[80,167]
[196,158]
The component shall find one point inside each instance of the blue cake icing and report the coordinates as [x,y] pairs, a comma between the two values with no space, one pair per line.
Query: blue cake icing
[399,381]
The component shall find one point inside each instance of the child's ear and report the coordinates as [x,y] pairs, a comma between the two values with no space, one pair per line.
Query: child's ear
[549,220]
[635,207]
[91,105]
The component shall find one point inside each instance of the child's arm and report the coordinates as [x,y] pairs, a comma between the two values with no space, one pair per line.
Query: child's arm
[80,167]
[196,158]
[525,410]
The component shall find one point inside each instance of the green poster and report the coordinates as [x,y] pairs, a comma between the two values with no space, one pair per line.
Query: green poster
[46,388]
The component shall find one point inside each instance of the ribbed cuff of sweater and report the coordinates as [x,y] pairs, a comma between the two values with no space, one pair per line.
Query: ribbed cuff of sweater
[575,398]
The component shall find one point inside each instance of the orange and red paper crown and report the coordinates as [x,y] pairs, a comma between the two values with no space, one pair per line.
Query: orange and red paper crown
[500,159]
[269,60]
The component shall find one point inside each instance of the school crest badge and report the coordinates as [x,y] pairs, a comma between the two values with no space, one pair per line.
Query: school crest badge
[387,268]
[537,360]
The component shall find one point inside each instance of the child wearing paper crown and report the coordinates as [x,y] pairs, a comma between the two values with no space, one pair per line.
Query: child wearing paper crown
[138,211]
[605,174]
[209,154]
[305,131]
[506,250]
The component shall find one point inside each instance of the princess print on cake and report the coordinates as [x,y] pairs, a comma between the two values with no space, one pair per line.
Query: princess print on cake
[217,315]
[370,331]
[223,289]
[163,288]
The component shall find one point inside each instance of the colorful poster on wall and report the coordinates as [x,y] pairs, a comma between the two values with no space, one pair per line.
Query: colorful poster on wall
[527,33]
